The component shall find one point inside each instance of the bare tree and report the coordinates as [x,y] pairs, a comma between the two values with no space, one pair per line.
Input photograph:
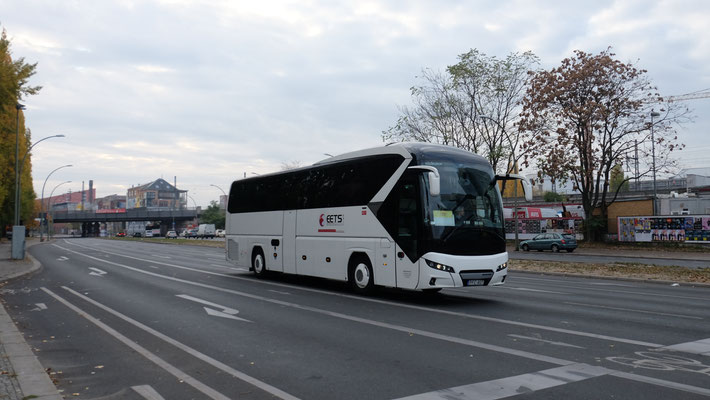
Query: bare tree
[583,117]
[287,165]
[474,105]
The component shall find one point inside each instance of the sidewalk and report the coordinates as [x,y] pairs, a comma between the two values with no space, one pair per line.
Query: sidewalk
[21,374]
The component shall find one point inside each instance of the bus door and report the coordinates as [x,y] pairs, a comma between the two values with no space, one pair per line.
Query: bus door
[289,242]
[409,220]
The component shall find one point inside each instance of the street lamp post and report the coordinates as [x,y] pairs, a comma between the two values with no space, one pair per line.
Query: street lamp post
[49,207]
[18,186]
[18,233]
[41,238]
[218,188]
[653,160]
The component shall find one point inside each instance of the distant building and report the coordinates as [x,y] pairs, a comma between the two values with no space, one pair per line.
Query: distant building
[156,195]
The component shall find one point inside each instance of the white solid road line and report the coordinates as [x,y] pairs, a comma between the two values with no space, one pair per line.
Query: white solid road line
[147,392]
[698,347]
[361,298]
[206,390]
[631,310]
[209,360]
[516,385]
[563,344]
[552,360]
[529,290]
[579,285]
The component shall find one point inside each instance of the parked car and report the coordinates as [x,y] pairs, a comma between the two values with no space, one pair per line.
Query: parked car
[171,235]
[192,233]
[119,234]
[219,233]
[550,241]
[137,234]
[149,233]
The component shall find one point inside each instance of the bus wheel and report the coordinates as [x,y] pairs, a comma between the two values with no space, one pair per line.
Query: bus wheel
[360,275]
[258,263]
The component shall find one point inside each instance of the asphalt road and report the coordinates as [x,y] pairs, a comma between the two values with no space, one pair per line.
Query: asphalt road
[131,320]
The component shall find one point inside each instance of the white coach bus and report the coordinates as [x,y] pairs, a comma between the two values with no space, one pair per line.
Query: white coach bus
[409,215]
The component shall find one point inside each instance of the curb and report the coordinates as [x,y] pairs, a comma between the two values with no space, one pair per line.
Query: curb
[28,371]
[614,278]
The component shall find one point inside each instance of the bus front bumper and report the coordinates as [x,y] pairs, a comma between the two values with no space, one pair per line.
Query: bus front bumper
[467,271]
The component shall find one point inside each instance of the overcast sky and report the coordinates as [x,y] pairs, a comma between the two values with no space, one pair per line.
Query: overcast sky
[210,90]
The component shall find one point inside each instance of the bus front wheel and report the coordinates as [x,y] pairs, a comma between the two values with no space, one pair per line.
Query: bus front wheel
[360,275]
[258,263]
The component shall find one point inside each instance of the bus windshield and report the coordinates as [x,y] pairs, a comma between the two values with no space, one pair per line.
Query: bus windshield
[467,217]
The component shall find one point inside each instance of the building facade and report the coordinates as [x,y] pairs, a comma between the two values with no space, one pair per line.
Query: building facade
[156,195]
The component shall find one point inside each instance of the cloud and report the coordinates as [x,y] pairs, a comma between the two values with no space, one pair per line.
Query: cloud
[211,90]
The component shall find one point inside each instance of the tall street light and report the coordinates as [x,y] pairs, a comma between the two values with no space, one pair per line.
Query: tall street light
[653,160]
[41,238]
[18,185]
[49,206]
[225,194]
[218,188]
[18,233]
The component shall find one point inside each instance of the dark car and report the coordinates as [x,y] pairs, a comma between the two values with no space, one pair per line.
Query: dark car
[550,241]
[137,234]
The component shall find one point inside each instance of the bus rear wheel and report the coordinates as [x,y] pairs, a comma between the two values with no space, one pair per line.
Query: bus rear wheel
[258,263]
[360,275]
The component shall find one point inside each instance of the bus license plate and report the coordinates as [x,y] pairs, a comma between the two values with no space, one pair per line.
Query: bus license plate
[475,282]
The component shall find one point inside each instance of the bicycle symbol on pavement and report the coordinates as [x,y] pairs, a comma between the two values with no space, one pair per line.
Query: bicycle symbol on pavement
[662,362]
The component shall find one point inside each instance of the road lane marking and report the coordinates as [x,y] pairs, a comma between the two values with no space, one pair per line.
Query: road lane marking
[360,298]
[189,350]
[638,378]
[408,330]
[631,310]
[664,383]
[147,392]
[279,292]
[97,272]
[206,390]
[516,385]
[545,341]
[698,347]
[62,258]
[530,290]
[580,286]
[226,312]
[40,307]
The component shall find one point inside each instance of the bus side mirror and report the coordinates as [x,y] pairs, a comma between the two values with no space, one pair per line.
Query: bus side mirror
[434,184]
[527,187]
[434,178]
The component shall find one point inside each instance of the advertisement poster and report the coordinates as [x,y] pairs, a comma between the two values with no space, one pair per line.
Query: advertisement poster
[664,229]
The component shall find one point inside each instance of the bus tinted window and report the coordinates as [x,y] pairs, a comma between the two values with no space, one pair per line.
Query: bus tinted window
[347,183]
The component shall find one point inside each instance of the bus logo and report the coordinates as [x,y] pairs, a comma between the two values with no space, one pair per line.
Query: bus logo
[330,219]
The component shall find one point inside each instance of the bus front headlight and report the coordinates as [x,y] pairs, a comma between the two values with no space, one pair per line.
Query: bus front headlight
[440,267]
[502,267]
